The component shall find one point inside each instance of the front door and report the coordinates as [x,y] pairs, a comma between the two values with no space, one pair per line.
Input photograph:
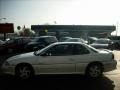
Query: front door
[57,60]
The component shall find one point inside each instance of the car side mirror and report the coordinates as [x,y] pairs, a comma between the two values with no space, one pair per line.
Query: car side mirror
[35,53]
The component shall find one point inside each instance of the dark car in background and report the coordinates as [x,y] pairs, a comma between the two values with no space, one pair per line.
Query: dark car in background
[92,39]
[76,40]
[14,45]
[63,39]
[102,43]
[116,42]
[40,42]
[1,42]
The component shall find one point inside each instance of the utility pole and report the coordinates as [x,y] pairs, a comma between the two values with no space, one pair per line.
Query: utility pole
[117,27]
[3,33]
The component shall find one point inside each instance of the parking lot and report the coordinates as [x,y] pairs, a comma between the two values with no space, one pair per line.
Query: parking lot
[109,81]
[115,75]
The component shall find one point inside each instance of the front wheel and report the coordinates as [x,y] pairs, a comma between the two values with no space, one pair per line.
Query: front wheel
[94,70]
[24,71]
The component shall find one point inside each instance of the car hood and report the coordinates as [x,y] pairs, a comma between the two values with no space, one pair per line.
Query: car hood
[21,57]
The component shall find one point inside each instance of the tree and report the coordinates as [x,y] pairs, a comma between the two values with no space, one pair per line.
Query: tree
[18,27]
[27,32]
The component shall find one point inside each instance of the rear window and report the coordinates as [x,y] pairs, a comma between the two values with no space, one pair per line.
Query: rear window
[93,49]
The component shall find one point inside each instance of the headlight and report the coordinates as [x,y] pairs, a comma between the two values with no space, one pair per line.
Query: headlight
[6,63]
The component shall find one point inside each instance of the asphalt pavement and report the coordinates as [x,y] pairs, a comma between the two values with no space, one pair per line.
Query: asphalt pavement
[57,82]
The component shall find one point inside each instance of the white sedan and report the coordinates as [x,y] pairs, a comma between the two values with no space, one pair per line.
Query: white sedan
[61,58]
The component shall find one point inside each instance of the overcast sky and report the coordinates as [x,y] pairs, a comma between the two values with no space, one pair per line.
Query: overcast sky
[77,12]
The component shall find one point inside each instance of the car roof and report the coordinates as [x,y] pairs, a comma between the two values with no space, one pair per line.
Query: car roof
[44,36]
[67,43]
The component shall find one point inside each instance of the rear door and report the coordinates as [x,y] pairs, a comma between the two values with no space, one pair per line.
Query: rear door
[81,57]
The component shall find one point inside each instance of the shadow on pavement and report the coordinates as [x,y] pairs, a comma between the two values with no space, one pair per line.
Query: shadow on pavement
[57,82]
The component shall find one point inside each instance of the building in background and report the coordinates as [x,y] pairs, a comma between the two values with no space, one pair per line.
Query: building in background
[6,28]
[83,31]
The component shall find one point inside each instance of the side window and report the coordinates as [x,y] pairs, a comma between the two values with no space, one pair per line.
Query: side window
[60,50]
[79,50]
[15,41]
[48,40]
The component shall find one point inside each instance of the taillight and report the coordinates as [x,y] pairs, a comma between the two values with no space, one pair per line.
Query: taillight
[112,56]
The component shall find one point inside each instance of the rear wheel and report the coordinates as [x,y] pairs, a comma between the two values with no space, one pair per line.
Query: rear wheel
[24,71]
[94,70]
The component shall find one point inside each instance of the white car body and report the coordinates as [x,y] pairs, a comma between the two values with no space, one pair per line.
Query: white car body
[101,43]
[66,64]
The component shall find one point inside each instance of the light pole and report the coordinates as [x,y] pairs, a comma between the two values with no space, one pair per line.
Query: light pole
[117,26]
[3,33]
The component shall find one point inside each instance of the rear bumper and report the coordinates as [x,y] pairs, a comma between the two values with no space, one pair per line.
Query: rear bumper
[110,65]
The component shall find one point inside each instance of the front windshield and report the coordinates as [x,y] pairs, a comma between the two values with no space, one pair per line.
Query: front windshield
[41,51]
[93,49]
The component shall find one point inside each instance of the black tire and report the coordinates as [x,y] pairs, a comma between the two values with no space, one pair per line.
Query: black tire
[94,70]
[24,71]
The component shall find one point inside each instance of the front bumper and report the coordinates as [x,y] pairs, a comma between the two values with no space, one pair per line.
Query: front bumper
[8,70]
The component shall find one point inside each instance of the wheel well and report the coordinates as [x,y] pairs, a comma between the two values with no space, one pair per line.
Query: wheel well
[96,62]
[20,64]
